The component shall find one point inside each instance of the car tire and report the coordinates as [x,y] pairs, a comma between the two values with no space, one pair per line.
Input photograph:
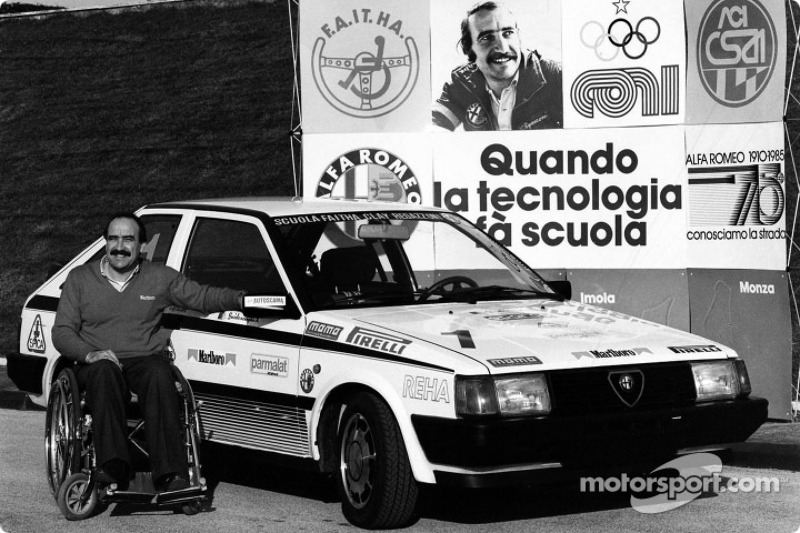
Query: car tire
[375,481]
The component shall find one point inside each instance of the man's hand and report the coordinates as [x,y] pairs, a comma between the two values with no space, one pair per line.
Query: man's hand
[97,355]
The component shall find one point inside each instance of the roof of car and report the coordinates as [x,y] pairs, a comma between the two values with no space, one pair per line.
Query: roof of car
[288,206]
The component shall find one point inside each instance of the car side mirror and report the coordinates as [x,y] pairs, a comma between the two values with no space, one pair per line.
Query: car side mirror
[270,305]
[561,287]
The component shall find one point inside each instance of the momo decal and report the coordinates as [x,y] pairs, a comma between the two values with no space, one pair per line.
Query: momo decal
[324,331]
[269,365]
[695,349]
[610,353]
[514,361]
[365,63]
[212,358]
[370,174]
[425,388]
[376,340]
[736,51]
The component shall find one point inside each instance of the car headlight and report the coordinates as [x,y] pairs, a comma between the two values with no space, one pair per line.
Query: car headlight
[521,394]
[720,380]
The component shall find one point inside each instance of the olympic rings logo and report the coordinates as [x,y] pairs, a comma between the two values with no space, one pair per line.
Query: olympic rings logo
[620,35]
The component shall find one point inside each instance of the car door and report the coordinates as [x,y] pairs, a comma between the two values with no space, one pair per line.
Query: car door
[243,367]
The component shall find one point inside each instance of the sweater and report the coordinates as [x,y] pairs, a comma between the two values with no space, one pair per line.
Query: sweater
[93,315]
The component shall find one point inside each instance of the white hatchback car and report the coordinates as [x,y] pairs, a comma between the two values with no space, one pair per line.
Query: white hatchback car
[394,345]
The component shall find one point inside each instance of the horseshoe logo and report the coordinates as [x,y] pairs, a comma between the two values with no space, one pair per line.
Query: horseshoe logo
[373,84]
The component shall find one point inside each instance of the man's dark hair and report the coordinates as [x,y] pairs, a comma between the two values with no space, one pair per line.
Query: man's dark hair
[130,216]
[466,37]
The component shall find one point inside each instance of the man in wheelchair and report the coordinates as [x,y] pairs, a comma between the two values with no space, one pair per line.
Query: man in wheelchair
[108,321]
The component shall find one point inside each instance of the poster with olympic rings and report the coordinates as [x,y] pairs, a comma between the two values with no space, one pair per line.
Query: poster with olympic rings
[624,63]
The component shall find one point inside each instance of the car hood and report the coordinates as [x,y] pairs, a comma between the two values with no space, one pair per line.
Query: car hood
[522,335]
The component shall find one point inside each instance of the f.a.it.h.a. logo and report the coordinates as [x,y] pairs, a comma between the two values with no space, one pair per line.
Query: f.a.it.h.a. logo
[364,62]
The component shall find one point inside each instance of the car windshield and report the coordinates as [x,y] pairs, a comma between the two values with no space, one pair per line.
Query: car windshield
[399,258]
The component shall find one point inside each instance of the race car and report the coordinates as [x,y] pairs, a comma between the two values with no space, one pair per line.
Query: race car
[393,345]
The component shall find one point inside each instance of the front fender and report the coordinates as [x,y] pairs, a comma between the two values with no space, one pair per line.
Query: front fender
[365,379]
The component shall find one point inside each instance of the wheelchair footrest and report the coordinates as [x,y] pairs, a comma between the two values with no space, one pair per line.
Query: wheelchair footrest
[183,495]
[120,496]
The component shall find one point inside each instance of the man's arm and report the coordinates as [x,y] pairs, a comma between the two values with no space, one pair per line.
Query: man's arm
[447,111]
[204,298]
[66,330]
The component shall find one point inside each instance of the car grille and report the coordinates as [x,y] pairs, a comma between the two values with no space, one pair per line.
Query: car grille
[255,425]
[590,390]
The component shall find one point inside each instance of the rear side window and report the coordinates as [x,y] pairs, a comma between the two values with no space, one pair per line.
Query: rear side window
[160,234]
[230,253]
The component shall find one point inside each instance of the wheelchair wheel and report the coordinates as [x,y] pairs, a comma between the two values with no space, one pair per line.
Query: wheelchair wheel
[62,441]
[77,499]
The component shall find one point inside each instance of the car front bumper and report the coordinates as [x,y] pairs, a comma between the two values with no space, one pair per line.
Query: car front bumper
[479,452]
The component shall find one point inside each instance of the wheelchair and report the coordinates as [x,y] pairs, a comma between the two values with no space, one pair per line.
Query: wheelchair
[71,462]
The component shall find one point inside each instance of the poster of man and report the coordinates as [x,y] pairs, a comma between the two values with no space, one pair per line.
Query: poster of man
[497,65]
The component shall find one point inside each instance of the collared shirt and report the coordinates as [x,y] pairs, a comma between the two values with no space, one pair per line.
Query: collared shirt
[119,285]
[504,106]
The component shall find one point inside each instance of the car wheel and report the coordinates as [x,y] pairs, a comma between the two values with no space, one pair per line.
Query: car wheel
[77,498]
[62,441]
[375,482]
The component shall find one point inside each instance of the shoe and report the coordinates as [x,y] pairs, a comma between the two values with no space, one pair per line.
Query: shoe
[114,471]
[172,482]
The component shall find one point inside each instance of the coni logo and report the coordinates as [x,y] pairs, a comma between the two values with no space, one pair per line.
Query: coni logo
[736,51]
[364,64]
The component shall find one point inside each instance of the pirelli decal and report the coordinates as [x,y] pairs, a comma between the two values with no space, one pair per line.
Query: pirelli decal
[698,348]
[377,340]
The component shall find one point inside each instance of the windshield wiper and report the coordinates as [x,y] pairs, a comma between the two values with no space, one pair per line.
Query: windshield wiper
[473,294]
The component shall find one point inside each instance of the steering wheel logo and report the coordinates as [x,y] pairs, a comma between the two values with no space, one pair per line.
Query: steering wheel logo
[365,81]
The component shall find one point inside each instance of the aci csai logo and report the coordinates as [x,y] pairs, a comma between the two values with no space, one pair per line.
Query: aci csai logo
[736,51]
[364,63]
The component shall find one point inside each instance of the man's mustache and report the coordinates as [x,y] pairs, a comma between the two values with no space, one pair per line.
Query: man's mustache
[124,253]
[494,56]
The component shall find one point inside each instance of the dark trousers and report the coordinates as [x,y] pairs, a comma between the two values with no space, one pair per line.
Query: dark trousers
[152,380]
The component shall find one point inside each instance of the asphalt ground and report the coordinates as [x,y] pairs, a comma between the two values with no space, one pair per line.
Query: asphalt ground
[250,497]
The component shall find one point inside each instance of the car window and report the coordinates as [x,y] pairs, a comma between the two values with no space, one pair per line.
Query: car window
[230,253]
[160,234]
